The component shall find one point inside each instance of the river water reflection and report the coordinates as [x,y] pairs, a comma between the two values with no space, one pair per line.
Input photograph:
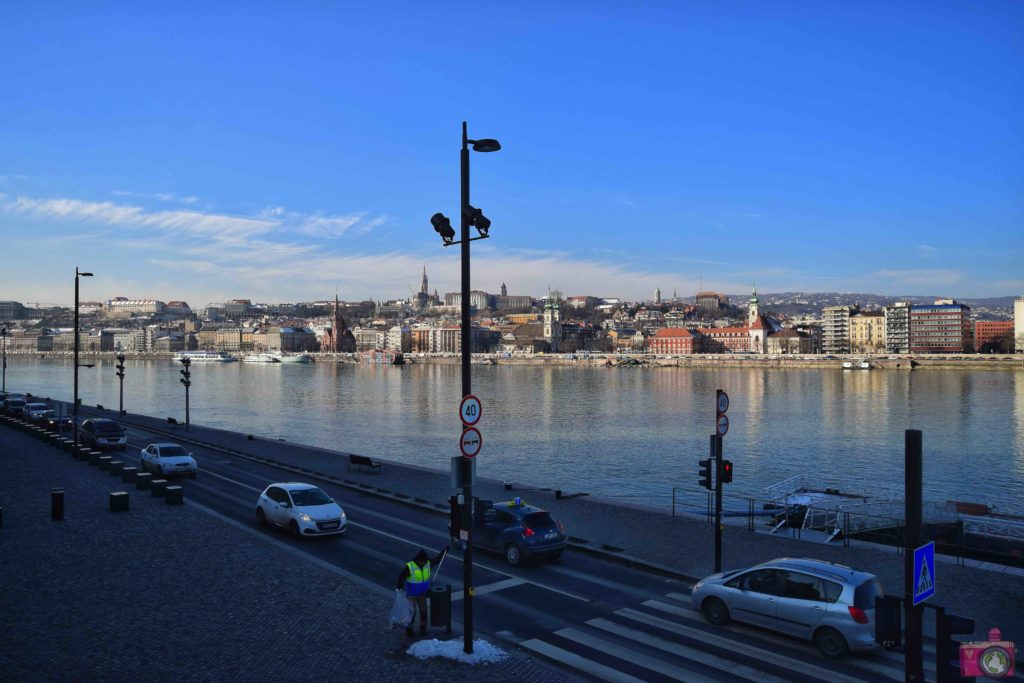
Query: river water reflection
[630,433]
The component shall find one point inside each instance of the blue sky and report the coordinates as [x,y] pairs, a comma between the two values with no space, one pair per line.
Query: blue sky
[285,151]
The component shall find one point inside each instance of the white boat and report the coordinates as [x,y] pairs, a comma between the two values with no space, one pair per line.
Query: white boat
[260,358]
[847,365]
[205,356]
[864,365]
[292,357]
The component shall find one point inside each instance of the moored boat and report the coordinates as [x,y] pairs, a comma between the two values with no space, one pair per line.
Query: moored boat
[205,356]
[260,358]
[292,357]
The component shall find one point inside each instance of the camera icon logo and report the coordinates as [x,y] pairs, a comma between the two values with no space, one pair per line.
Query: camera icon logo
[992,658]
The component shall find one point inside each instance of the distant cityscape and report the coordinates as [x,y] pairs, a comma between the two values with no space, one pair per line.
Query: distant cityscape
[426,322]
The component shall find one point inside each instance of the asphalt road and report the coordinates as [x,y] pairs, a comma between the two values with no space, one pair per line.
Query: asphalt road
[599,618]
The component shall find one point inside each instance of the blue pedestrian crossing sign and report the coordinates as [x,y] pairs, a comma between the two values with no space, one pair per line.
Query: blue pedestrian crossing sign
[924,573]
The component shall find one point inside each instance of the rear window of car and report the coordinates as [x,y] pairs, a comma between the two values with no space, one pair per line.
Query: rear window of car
[864,595]
[108,427]
[538,520]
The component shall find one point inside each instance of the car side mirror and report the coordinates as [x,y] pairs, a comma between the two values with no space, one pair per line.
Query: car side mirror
[286,504]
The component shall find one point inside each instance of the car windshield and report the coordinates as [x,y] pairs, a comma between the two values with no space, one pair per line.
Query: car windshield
[15,403]
[37,406]
[864,595]
[172,451]
[306,497]
[538,520]
[108,427]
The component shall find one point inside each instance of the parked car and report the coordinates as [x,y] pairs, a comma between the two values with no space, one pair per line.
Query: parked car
[168,458]
[38,412]
[100,433]
[830,604]
[518,531]
[15,407]
[58,424]
[303,509]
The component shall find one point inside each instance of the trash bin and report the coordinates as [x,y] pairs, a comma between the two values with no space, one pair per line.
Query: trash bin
[441,606]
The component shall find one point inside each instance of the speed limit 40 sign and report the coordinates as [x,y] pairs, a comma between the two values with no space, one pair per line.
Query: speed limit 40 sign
[470,410]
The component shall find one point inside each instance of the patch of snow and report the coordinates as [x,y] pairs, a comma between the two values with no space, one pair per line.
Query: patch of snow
[483,652]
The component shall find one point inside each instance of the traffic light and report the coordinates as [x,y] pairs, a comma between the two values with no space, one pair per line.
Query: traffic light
[185,374]
[705,473]
[726,473]
[888,621]
[947,648]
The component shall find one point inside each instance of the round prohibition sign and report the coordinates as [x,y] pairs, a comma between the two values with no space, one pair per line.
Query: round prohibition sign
[723,425]
[470,410]
[471,442]
[723,401]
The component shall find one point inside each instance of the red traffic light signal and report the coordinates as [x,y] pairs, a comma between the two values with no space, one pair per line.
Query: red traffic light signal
[726,473]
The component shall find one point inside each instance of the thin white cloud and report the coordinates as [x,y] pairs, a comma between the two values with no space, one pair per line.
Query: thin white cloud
[926,250]
[918,276]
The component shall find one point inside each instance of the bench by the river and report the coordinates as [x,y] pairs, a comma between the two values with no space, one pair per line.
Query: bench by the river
[363,461]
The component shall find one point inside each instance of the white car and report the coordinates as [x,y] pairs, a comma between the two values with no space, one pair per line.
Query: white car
[38,412]
[168,458]
[303,509]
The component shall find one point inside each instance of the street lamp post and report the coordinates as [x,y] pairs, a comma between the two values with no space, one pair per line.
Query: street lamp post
[470,216]
[3,333]
[186,379]
[120,376]
[74,408]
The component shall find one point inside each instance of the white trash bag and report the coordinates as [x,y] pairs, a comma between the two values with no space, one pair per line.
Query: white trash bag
[401,615]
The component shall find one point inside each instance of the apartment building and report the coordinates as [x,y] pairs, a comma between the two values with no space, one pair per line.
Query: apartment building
[867,332]
[897,327]
[942,327]
[835,328]
[990,332]
[674,341]
[1018,324]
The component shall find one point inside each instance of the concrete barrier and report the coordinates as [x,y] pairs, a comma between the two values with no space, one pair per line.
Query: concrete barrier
[115,468]
[104,462]
[143,480]
[128,474]
[175,495]
[82,453]
[158,487]
[94,457]
[118,501]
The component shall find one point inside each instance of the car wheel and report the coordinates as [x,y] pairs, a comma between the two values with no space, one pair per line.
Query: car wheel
[715,612]
[514,555]
[294,528]
[831,643]
[261,517]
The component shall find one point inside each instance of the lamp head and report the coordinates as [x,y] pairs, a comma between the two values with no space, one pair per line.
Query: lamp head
[84,274]
[486,145]
[478,220]
[443,226]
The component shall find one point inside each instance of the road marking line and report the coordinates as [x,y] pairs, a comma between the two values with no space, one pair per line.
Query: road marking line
[890,665]
[733,668]
[760,653]
[490,588]
[676,673]
[600,671]
[291,549]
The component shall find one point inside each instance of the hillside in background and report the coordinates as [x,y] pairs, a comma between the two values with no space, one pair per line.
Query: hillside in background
[794,304]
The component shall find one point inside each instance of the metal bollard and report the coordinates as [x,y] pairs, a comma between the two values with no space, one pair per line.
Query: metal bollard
[57,504]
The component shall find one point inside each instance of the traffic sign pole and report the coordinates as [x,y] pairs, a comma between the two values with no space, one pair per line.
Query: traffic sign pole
[716,456]
[913,655]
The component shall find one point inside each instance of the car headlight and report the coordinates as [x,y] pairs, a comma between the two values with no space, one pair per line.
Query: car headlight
[698,585]
[343,518]
[304,517]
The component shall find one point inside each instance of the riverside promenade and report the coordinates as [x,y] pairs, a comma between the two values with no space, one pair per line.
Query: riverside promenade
[682,547]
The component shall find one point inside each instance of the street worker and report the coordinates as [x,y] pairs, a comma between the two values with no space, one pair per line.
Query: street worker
[416,577]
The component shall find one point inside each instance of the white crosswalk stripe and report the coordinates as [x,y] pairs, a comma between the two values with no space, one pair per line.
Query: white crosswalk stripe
[736,670]
[600,671]
[676,673]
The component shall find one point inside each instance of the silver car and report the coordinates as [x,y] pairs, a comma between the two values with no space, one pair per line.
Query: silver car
[829,604]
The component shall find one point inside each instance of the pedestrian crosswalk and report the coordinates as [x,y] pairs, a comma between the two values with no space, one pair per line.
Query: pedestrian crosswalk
[666,639]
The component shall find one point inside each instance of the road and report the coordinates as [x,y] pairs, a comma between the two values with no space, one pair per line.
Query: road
[595,617]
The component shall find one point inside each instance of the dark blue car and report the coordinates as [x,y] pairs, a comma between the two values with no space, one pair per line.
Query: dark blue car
[517,530]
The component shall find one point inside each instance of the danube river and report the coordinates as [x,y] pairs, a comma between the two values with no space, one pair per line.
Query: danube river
[625,433]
